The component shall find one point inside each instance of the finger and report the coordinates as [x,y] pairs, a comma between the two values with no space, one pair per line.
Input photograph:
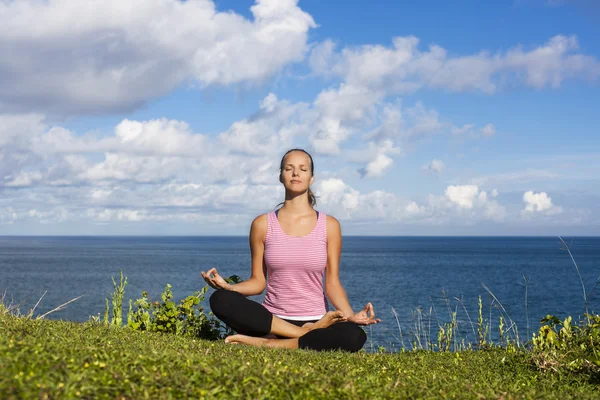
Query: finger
[372,310]
[210,282]
[211,271]
[372,321]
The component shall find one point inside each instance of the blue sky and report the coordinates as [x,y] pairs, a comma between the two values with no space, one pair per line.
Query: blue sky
[424,118]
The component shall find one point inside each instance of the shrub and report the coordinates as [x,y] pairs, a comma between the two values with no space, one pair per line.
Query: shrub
[188,318]
[570,347]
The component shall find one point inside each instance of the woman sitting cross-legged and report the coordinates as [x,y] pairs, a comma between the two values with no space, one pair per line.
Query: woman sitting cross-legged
[292,249]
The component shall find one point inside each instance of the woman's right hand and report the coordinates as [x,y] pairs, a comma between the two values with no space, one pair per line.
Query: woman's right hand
[215,280]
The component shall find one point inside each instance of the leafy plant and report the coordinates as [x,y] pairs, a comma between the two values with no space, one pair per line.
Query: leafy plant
[186,318]
[560,344]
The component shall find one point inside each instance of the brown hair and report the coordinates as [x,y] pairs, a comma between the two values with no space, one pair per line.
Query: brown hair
[312,199]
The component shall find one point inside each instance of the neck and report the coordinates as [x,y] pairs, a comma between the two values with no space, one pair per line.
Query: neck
[297,204]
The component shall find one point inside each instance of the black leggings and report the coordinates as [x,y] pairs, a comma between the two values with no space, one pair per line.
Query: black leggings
[253,319]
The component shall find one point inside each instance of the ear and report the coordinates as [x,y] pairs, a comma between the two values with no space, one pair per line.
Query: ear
[312,180]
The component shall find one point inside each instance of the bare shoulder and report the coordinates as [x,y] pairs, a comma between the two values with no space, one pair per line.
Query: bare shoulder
[261,220]
[259,226]
[333,225]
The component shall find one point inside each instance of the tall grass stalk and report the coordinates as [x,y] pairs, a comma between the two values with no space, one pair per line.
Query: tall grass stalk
[15,309]
[512,324]
[36,304]
[568,249]
[429,340]
[399,327]
[468,316]
[61,307]
[525,284]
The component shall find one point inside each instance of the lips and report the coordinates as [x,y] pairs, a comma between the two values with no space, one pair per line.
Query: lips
[295,181]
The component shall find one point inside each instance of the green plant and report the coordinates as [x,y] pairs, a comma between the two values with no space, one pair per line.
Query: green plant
[186,318]
[446,334]
[561,344]
[117,300]
[481,330]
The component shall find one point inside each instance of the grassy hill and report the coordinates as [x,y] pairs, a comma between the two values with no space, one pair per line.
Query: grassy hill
[42,359]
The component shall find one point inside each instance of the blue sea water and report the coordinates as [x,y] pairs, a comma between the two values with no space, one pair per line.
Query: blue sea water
[418,277]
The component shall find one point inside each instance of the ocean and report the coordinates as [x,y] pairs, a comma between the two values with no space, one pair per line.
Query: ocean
[422,279]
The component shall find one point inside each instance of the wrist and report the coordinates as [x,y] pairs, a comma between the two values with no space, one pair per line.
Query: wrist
[228,287]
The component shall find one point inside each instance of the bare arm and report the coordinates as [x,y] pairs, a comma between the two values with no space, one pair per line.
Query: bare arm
[257,282]
[333,287]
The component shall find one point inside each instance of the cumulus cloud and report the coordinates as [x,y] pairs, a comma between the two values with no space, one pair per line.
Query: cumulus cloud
[458,205]
[378,166]
[403,68]
[339,113]
[90,57]
[376,156]
[488,130]
[463,195]
[474,200]
[436,166]
[463,129]
[155,169]
[272,128]
[539,203]
[407,122]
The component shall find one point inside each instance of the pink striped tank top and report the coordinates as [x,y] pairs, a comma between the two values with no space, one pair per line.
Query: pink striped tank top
[295,270]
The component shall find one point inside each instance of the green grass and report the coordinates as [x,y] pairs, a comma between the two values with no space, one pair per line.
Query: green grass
[58,359]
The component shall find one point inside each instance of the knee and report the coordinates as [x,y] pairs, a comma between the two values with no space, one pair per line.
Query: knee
[354,338]
[219,302]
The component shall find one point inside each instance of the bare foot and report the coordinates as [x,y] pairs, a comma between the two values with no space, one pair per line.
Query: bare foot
[262,341]
[249,340]
[332,317]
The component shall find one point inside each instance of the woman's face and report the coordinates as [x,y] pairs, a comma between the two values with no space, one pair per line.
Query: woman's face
[296,175]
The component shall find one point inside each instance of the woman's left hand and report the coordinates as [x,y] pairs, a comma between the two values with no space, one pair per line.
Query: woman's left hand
[365,317]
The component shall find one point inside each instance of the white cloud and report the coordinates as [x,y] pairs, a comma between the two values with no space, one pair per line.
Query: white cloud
[463,129]
[462,195]
[403,68]
[467,207]
[376,156]
[272,128]
[406,123]
[339,112]
[470,202]
[539,203]
[436,166]
[71,56]
[378,166]
[414,209]
[488,130]
[164,137]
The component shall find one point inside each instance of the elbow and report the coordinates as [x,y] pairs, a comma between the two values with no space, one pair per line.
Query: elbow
[332,283]
[258,286]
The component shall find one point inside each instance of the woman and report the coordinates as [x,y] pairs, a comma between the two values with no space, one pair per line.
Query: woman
[292,249]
